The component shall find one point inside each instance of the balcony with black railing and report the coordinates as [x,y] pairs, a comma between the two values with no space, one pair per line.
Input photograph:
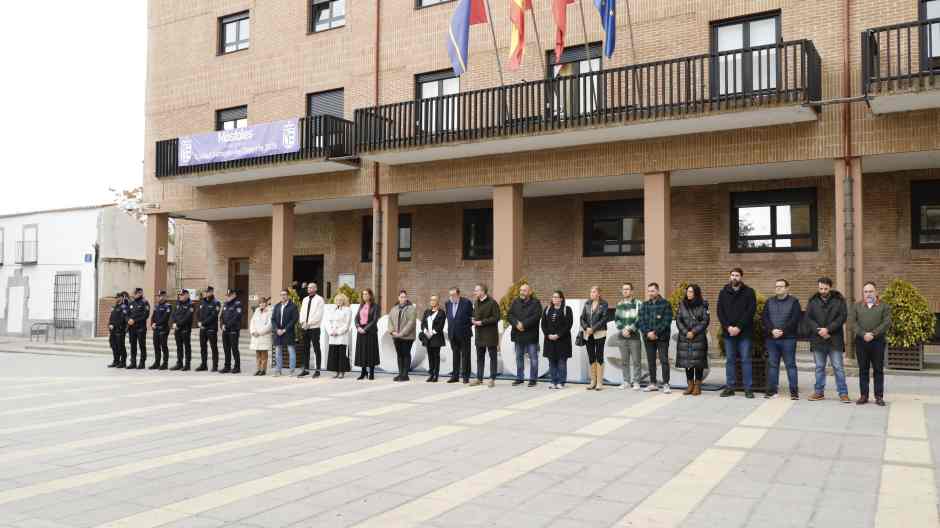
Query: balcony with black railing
[27,252]
[326,144]
[901,66]
[752,87]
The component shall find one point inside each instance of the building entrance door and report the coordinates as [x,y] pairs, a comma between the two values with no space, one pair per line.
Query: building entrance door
[238,279]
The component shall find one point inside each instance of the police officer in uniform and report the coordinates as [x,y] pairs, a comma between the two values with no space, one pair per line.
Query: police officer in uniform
[160,323]
[183,327]
[139,309]
[208,317]
[117,326]
[231,326]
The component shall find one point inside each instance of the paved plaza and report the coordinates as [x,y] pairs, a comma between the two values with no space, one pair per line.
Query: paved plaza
[82,446]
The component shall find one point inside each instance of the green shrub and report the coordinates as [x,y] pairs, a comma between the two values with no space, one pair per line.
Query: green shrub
[348,291]
[294,298]
[676,297]
[912,322]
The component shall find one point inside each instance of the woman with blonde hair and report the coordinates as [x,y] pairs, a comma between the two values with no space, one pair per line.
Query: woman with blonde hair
[337,328]
[594,333]
[260,329]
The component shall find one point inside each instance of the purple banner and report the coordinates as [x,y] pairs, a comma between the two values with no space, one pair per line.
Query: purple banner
[279,137]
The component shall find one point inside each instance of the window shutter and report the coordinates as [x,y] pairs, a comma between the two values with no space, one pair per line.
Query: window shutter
[326,103]
[233,114]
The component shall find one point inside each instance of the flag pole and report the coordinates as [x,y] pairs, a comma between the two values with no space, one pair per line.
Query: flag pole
[630,28]
[499,63]
[538,40]
[587,50]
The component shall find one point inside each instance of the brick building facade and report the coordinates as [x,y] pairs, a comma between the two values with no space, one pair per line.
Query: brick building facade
[667,131]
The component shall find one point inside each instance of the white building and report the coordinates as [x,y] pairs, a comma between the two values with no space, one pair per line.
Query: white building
[56,265]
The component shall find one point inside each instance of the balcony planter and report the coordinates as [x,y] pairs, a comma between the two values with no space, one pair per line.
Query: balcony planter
[912,325]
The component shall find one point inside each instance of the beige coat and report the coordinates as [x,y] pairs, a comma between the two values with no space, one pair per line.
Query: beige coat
[260,324]
[338,324]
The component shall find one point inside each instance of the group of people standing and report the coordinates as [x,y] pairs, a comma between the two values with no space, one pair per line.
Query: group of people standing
[642,328]
[129,318]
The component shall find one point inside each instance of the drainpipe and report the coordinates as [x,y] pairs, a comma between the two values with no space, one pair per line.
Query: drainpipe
[94,331]
[848,178]
[376,199]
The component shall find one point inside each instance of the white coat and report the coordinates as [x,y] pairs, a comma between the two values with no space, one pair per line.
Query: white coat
[261,325]
[338,325]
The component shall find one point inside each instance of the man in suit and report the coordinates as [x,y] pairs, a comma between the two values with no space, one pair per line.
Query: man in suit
[459,330]
[283,319]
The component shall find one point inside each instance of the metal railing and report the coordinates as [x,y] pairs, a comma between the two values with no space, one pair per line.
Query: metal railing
[321,136]
[787,72]
[27,252]
[901,57]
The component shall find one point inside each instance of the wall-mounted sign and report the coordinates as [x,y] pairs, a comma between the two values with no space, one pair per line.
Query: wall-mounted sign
[89,258]
[349,279]
[266,139]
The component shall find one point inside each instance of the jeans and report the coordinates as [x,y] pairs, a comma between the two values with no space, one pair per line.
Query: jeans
[521,350]
[279,358]
[776,348]
[871,356]
[558,370]
[821,352]
[631,355]
[659,347]
[735,346]
[481,359]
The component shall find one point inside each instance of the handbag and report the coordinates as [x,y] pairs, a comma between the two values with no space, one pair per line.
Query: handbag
[579,339]
[423,338]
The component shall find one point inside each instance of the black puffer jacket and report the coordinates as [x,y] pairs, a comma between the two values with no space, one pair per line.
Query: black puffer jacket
[692,317]
[829,313]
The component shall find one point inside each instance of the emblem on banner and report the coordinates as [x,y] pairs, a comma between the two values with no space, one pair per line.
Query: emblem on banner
[289,135]
[186,150]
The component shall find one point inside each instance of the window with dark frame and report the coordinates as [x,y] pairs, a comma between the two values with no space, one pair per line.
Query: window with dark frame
[231,118]
[478,234]
[769,221]
[930,34]
[925,214]
[330,102]
[428,3]
[432,85]
[613,227]
[234,33]
[404,237]
[745,71]
[327,14]
[582,95]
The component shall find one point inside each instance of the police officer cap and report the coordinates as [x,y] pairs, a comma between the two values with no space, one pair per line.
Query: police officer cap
[183,290]
[232,291]
[138,290]
[119,294]
[210,289]
[161,292]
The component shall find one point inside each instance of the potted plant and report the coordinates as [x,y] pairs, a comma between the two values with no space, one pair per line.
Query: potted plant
[912,325]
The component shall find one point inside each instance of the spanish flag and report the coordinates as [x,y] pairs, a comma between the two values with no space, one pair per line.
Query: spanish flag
[517,10]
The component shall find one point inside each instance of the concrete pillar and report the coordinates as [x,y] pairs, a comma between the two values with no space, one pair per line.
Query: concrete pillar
[657,227]
[507,237]
[388,295]
[848,185]
[282,248]
[157,249]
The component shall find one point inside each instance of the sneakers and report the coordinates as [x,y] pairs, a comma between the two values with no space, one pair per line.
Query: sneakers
[880,402]
[794,396]
[817,396]
[844,398]
[667,389]
[623,386]
[636,387]
[491,383]
[727,392]
[476,383]
[749,395]
[770,395]
[651,388]
[303,373]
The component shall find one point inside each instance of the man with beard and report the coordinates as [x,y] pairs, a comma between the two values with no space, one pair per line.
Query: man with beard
[737,304]
[825,314]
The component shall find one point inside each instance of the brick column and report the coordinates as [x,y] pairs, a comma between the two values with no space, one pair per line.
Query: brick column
[657,227]
[282,248]
[852,170]
[507,237]
[157,249]
[388,295]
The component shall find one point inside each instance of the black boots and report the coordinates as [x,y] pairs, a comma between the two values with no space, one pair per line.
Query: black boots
[371,373]
[362,373]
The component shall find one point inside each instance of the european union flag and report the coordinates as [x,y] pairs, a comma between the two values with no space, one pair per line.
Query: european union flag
[468,13]
[608,12]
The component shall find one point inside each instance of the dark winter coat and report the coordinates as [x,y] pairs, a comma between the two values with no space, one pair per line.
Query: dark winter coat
[692,317]
[827,313]
[283,317]
[487,312]
[183,316]
[161,317]
[437,326]
[786,309]
[117,323]
[557,322]
[208,315]
[528,312]
[139,312]
[737,308]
